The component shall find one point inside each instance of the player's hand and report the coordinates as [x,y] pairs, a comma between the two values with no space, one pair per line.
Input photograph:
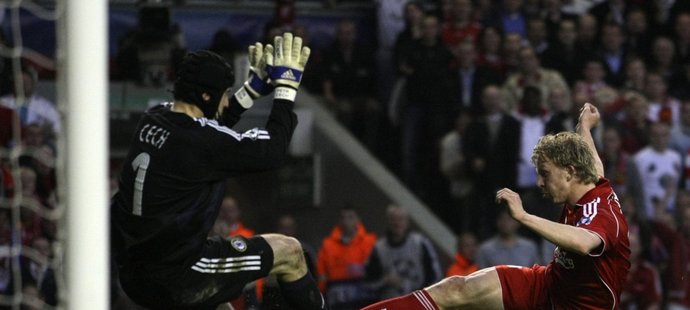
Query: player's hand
[288,61]
[258,83]
[589,116]
[512,199]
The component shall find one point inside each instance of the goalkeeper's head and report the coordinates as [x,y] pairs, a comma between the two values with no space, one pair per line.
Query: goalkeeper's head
[202,79]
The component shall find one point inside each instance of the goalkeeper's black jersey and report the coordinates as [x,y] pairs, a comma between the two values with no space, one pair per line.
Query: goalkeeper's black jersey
[173,180]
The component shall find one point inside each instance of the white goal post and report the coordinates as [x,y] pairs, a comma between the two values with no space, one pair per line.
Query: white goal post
[83,174]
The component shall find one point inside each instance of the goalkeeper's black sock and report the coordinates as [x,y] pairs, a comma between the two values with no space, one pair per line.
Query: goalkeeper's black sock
[303,294]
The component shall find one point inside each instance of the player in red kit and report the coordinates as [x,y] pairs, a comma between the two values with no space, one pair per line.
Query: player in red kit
[591,260]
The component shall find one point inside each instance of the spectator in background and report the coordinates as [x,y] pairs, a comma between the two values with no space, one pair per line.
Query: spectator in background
[349,84]
[615,159]
[507,247]
[537,36]
[427,115]
[491,151]
[6,126]
[681,37]
[31,221]
[639,36]
[563,54]
[633,122]
[225,44]
[531,73]
[655,174]
[680,142]
[402,261]
[489,47]
[594,88]
[312,80]
[32,299]
[509,17]
[563,114]
[533,120]
[32,107]
[663,57]
[669,253]
[6,85]
[587,32]
[470,79]
[148,54]
[613,53]
[414,16]
[553,15]
[465,255]
[36,268]
[454,168]
[684,231]
[611,11]
[662,106]
[271,29]
[679,83]
[459,25]
[390,18]
[512,43]
[577,7]
[229,221]
[635,75]
[642,288]
[341,262]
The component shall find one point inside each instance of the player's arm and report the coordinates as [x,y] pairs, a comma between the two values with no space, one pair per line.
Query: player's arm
[571,238]
[257,85]
[589,118]
[266,148]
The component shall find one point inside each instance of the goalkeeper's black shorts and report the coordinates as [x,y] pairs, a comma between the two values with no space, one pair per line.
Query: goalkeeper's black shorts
[218,276]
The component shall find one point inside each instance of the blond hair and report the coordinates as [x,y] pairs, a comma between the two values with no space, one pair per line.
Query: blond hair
[567,149]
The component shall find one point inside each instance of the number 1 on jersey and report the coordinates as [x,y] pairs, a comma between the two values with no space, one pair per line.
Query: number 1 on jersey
[140,164]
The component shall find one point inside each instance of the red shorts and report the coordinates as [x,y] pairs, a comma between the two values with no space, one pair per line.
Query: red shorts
[524,287]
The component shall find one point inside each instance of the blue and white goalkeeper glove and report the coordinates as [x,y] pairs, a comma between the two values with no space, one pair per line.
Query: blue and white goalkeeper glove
[258,84]
[286,66]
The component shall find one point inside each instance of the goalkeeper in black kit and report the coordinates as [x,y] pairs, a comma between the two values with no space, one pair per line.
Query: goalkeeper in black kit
[173,182]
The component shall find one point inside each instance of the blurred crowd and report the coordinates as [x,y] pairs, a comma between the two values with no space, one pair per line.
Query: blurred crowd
[452,97]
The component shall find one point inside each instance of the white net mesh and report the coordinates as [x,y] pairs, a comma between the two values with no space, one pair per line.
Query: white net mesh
[31,247]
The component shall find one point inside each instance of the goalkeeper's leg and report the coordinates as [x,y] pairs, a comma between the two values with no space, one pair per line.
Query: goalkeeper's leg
[289,265]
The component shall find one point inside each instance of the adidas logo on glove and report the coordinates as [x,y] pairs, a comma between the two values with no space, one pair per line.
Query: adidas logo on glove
[288,75]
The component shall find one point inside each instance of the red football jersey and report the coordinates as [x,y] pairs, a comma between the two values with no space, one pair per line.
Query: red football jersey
[593,281]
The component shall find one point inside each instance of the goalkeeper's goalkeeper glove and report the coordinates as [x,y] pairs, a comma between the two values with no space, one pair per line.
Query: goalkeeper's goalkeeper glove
[258,84]
[286,65]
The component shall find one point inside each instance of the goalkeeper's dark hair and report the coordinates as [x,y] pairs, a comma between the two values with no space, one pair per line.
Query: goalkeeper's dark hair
[202,72]
[567,149]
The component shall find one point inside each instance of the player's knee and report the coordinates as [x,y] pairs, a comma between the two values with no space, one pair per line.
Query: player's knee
[449,292]
[286,250]
[293,251]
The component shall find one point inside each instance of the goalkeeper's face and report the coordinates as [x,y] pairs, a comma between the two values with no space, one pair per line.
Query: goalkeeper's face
[224,102]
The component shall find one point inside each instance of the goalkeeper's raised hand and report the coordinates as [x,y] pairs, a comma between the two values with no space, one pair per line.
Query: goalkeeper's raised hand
[286,66]
[258,83]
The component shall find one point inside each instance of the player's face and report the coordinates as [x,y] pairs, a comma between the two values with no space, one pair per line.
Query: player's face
[553,181]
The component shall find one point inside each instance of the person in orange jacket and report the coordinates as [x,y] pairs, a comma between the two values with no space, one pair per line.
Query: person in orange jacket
[341,262]
[464,257]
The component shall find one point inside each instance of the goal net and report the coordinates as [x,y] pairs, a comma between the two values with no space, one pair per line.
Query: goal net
[53,155]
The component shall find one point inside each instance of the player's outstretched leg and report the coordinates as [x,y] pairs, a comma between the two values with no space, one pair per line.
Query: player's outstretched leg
[417,300]
[479,290]
[289,265]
